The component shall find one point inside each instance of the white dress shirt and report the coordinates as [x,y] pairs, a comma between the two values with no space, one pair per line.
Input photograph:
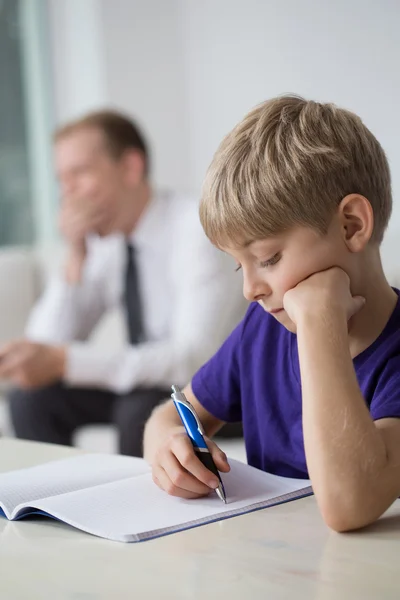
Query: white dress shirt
[190,294]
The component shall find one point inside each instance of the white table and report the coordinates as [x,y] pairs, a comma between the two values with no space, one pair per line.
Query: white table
[280,552]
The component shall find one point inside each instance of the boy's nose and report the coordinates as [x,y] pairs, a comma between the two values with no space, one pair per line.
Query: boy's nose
[255,289]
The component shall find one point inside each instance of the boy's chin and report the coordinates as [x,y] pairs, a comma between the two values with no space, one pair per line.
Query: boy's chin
[289,325]
[283,318]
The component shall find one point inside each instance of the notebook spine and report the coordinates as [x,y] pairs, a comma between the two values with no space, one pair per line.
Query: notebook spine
[288,497]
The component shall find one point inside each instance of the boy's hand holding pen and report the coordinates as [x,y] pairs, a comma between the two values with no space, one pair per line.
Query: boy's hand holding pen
[179,467]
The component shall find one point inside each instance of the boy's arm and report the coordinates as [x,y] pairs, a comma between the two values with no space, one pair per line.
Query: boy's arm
[354,463]
[176,469]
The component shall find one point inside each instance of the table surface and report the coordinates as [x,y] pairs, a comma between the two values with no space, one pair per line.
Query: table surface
[280,552]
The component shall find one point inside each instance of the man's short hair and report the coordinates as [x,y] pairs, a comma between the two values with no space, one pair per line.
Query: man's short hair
[120,133]
[290,162]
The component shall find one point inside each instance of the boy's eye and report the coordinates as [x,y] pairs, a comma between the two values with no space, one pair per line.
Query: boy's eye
[271,261]
[238,267]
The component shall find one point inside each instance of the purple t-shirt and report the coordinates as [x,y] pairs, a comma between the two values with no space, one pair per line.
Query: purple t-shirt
[255,378]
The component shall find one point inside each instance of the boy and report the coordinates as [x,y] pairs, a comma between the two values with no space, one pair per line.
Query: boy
[299,194]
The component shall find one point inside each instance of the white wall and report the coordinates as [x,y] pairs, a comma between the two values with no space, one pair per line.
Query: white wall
[189,70]
[78,56]
[126,54]
[145,77]
[242,52]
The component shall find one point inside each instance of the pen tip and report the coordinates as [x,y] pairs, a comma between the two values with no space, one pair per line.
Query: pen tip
[221,494]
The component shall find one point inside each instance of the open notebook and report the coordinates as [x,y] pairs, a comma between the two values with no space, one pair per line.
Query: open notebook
[114,497]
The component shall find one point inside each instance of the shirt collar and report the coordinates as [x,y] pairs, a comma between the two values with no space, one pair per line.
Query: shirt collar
[148,224]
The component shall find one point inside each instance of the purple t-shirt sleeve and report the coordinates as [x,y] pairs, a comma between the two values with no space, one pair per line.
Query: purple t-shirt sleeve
[217,384]
[386,400]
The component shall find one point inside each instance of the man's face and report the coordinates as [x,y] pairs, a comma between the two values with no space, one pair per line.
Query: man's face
[275,265]
[87,173]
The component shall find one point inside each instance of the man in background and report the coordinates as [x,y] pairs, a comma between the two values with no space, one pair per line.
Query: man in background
[125,243]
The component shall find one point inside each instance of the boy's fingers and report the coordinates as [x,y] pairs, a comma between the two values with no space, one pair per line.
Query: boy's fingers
[161,478]
[219,457]
[182,478]
[183,450]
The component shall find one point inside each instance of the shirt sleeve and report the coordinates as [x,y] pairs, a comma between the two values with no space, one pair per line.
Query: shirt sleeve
[207,304]
[386,400]
[217,384]
[68,312]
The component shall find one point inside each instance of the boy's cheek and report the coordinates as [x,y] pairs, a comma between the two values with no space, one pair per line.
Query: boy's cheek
[306,279]
[296,275]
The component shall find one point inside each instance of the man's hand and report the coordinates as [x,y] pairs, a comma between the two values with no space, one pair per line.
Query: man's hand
[323,293]
[80,216]
[31,365]
[77,219]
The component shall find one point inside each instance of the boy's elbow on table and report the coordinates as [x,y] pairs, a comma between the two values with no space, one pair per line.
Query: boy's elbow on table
[343,523]
[348,514]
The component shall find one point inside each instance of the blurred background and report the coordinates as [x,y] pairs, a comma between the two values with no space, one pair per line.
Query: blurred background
[187,71]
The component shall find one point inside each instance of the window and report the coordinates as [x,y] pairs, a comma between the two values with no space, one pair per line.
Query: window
[26,181]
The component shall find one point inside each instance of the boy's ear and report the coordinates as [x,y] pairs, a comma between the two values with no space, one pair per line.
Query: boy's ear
[356,219]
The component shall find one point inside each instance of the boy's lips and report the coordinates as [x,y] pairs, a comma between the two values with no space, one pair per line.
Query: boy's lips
[271,311]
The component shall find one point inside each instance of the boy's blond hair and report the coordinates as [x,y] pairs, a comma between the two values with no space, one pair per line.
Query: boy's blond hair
[290,162]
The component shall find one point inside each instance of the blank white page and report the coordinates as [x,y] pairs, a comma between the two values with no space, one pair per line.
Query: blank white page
[135,508]
[66,475]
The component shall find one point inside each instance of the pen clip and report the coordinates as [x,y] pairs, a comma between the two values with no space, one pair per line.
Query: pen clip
[190,407]
[178,397]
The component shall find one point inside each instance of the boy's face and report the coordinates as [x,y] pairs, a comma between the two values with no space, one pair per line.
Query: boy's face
[273,266]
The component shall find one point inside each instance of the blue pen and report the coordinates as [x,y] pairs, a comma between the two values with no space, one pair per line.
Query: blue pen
[195,432]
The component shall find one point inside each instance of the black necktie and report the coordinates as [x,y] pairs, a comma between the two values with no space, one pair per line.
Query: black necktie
[132,298]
